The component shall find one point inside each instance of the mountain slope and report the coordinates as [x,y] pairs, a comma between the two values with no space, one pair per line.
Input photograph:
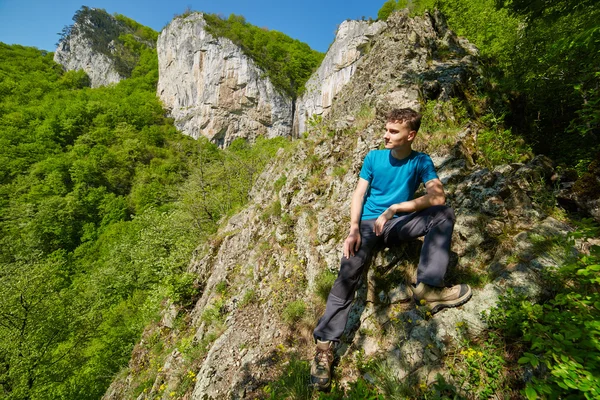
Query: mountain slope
[264,276]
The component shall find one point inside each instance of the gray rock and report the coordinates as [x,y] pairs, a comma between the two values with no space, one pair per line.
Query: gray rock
[212,89]
[335,71]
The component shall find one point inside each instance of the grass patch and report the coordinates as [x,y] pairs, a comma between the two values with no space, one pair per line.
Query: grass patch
[323,284]
[294,311]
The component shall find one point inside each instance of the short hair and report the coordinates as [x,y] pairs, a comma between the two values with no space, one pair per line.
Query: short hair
[408,115]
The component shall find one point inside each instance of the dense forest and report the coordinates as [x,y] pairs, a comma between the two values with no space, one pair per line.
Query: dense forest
[102,202]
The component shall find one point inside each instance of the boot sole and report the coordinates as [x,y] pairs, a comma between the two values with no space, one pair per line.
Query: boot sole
[438,306]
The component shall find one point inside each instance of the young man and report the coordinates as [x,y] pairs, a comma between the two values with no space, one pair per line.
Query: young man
[383,209]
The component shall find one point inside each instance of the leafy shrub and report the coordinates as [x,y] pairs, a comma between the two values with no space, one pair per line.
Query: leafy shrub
[181,288]
[561,333]
[502,147]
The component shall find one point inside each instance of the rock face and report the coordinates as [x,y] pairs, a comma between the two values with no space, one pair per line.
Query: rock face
[335,71]
[417,60]
[76,53]
[212,89]
[275,252]
[93,45]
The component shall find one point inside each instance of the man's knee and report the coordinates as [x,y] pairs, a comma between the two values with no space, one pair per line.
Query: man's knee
[443,213]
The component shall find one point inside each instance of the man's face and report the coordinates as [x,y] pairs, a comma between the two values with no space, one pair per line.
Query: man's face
[397,135]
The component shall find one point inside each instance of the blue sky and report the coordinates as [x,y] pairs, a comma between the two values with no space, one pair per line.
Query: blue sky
[37,22]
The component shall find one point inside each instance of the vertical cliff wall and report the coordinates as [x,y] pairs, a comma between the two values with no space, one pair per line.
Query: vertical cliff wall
[95,44]
[212,89]
[335,71]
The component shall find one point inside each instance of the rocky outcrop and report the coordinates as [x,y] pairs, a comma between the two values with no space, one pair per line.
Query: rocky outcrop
[418,60]
[424,61]
[212,89]
[76,53]
[92,44]
[336,69]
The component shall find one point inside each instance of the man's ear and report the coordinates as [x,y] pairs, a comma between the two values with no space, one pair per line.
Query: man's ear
[412,135]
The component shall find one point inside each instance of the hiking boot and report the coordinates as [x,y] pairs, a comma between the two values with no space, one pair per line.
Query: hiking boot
[436,298]
[320,369]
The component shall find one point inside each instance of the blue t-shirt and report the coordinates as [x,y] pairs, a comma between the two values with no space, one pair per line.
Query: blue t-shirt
[391,180]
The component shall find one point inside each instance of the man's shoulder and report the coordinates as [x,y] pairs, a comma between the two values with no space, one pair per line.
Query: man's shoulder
[418,154]
[378,154]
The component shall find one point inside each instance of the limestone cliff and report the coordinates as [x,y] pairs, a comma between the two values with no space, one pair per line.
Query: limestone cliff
[335,71]
[270,258]
[212,89]
[93,44]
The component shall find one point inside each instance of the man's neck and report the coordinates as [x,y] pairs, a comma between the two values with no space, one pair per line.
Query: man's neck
[400,154]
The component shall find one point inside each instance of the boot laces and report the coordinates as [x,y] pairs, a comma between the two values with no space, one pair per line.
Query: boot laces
[322,358]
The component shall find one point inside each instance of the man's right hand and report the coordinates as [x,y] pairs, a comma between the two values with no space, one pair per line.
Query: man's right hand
[352,242]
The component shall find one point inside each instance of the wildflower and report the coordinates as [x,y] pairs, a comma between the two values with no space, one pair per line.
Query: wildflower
[480,354]
[172,394]
[160,369]
[423,386]
[429,313]
[410,321]
[162,387]
[423,302]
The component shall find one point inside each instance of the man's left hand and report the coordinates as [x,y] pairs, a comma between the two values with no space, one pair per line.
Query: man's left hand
[382,219]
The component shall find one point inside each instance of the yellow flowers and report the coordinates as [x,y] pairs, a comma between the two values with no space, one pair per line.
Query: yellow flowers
[423,386]
[192,375]
[162,387]
[428,313]
[172,394]
[471,353]
[423,302]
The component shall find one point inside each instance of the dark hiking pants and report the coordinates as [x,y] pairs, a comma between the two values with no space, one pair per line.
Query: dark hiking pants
[435,223]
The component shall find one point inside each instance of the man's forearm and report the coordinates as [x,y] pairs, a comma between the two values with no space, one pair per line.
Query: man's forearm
[355,211]
[418,204]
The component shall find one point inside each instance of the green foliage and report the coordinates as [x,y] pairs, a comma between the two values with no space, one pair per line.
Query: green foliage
[323,283]
[502,147]
[539,56]
[101,204]
[389,7]
[139,30]
[478,369]
[293,382]
[294,311]
[279,183]
[249,297]
[358,390]
[287,62]
[561,333]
